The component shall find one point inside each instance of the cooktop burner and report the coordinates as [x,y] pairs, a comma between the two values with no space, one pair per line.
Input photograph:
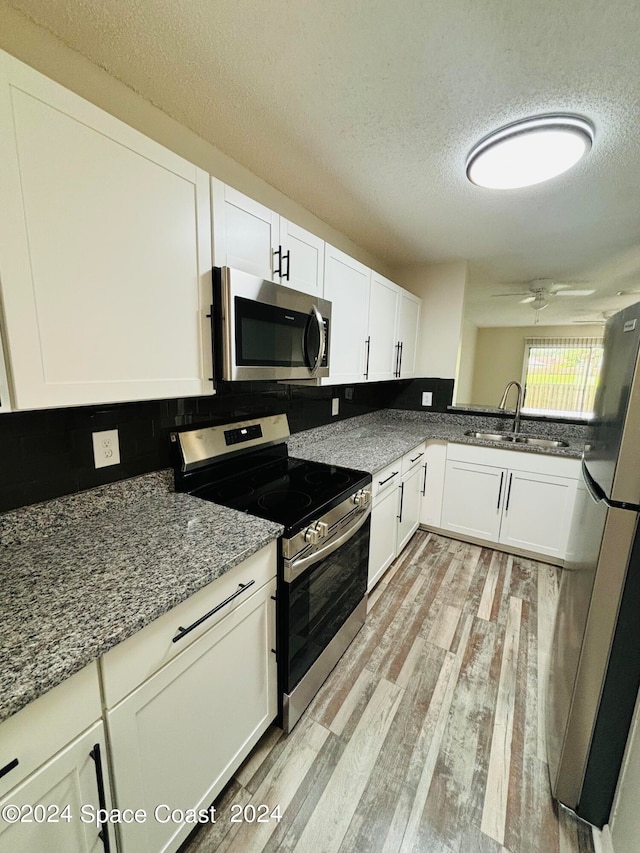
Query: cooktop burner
[283,501]
[288,490]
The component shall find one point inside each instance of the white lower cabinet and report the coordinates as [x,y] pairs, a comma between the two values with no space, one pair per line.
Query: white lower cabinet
[59,804]
[177,739]
[433,471]
[409,506]
[523,501]
[396,507]
[54,772]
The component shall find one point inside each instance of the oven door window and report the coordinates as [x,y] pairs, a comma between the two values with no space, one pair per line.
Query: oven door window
[321,600]
[269,336]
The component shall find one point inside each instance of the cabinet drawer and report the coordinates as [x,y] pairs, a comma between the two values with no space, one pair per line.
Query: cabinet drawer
[516,460]
[413,457]
[130,663]
[387,478]
[46,725]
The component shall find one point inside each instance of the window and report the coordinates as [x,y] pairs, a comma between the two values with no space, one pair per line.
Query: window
[561,375]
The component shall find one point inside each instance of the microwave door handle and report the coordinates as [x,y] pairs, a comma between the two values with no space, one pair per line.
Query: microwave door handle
[317,317]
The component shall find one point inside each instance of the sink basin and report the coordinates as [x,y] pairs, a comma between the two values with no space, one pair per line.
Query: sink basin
[517,438]
[491,436]
[541,442]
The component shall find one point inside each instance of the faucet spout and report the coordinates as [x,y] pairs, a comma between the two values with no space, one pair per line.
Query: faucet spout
[516,421]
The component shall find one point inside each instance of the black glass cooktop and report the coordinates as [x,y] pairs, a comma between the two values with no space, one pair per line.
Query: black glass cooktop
[288,491]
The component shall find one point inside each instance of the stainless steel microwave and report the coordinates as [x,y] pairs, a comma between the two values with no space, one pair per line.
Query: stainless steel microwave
[262,330]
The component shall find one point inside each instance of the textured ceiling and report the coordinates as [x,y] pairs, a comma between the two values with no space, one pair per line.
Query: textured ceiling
[363,111]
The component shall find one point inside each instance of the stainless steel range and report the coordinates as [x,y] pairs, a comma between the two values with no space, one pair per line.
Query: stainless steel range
[324,551]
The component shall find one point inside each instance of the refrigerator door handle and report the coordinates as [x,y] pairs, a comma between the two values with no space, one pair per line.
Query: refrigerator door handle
[590,483]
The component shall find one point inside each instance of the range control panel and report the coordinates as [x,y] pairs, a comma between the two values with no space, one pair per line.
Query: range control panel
[237,436]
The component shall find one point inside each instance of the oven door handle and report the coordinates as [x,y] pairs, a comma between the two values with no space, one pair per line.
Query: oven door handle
[293,569]
[316,316]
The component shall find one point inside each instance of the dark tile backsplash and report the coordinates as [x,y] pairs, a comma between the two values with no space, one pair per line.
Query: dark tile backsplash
[46,454]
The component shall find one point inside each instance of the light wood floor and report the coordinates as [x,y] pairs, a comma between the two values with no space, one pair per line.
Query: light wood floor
[428,735]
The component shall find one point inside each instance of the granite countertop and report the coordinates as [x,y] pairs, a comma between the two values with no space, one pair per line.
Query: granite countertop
[371,442]
[83,573]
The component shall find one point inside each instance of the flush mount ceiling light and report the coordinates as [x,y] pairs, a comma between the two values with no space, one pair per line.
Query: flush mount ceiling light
[530,151]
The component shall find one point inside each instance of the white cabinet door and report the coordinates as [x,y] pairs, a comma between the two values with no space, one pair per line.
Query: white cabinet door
[245,233]
[303,259]
[537,512]
[69,779]
[472,499]
[433,472]
[179,737]
[408,316]
[384,533]
[409,510]
[383,315]
[106,255]
[346,285]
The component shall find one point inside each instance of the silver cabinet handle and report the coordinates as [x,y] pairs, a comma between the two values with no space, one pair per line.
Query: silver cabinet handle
[368,346]
[424,482]
[182,632]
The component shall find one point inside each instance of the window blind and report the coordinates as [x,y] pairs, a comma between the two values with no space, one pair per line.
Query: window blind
[561,375]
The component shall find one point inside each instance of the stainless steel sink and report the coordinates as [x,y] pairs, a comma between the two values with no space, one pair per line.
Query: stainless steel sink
[491,436]
[541,442]
[518,438]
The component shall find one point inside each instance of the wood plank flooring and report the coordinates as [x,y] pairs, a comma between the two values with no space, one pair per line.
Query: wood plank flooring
[429,734]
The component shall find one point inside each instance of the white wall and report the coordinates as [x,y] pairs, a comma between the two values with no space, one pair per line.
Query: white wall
[466,362]
[441,287]
[499,356]
[43,51]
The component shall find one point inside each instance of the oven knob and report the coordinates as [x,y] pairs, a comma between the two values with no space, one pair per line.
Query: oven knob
[322,528]
[361,497]
[312,535]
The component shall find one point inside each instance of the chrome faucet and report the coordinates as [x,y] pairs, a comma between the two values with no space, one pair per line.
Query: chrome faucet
[516,421]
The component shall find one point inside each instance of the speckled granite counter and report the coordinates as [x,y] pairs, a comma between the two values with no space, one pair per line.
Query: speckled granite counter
[80,574]
[370,442]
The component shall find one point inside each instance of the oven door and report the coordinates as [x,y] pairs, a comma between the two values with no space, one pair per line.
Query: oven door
[321,609]
[267,331]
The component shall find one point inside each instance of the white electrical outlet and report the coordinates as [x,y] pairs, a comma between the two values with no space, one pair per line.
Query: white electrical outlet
[106,448]
[427,398]
[335,405]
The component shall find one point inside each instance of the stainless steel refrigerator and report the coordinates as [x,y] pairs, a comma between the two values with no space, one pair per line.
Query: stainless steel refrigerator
[595,658]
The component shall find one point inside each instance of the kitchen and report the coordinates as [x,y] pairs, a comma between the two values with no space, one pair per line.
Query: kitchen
[48,451]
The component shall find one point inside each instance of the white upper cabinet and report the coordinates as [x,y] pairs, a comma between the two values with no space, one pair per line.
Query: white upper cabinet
[407,334]
[383,317]
[346,286]
[106,253]
[248,236]
[302,259]
[245,233]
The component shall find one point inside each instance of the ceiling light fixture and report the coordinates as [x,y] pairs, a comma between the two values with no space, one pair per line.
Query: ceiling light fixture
[530,151]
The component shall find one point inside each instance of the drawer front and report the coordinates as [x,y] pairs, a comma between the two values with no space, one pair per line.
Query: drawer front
[130,663]
[413,457]
[387,478]
[46,725]
[516,460]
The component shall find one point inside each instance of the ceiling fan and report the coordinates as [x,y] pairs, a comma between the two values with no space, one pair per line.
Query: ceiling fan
[543,290]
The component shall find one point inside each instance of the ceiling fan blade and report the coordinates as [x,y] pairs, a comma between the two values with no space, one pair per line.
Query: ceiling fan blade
[584,292]
[521,293]
[528,299]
